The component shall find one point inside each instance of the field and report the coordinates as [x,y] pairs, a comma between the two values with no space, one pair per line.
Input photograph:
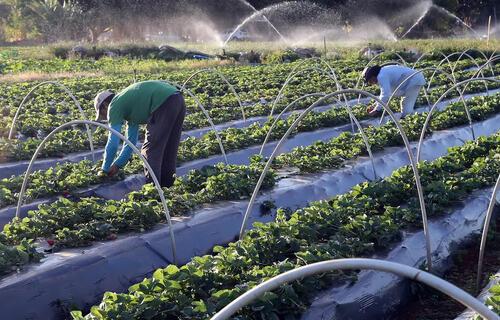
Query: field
[309,173]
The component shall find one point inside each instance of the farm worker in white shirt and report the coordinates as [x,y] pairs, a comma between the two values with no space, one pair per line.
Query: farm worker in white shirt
[389,78]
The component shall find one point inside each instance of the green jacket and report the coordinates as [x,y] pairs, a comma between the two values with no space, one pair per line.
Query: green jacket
[136,102]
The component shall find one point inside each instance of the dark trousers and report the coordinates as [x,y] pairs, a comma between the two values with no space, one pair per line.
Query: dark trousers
[163,135]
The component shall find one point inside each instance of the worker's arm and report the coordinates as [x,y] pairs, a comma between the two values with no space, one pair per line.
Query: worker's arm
[132,134]
[111,147]
[385,90]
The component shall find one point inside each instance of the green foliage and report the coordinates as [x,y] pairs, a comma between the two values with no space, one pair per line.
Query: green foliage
[77,223]
[319,156]
[51,107]
[351,224]
[281,56]
[14,257]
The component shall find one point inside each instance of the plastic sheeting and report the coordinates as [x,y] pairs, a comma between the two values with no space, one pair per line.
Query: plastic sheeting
[377,295]
[18,168]
[120,189]
[80,277]
[485,294]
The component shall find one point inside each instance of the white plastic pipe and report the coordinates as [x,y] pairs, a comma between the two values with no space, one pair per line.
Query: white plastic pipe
[406,142]
[125,140]
[351,115]
[429,115]
[223,78]
[357,264]
[484,236]
[69,93]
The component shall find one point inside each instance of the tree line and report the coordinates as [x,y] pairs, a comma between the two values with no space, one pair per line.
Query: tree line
[76,20]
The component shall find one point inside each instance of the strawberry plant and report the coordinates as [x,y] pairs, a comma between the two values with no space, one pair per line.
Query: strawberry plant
[77,223]
[348,225]
[51,107]
[316,157]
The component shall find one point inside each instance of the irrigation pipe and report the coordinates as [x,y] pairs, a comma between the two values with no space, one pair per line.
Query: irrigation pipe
[406,142]
[125,140]
[356,264]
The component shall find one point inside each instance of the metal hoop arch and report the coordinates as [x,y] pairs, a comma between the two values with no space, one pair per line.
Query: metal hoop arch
[475,63]
[465,52]
[125,140]
[277,118]
[480,69]
[356,264]
[223,78]
[71,95]
[406,142]
[351,116]
[453,67]
[290,77]
[314,59]
[425,54]
[429,115]
[333,76]
[484,236]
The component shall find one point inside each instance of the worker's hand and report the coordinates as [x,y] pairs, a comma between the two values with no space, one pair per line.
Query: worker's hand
[113,170]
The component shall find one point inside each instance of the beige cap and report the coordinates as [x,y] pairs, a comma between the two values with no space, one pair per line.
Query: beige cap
[99,99]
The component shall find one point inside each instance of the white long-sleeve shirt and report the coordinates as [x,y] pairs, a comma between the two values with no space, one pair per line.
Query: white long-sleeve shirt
[391,76]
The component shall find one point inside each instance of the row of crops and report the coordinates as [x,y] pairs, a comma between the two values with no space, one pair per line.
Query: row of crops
[257,89]
[319,156]
[372,217]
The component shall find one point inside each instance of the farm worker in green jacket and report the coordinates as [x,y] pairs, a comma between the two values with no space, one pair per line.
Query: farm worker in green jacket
[161,108]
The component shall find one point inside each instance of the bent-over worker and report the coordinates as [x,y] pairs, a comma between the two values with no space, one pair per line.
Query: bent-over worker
[161,108]
[389,78]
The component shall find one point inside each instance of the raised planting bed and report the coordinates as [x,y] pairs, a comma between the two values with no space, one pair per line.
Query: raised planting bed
[196,141]
[428,303]
[38,126]
[217,225]
[308,159]
[362,222]
[67,178]
[377,295]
